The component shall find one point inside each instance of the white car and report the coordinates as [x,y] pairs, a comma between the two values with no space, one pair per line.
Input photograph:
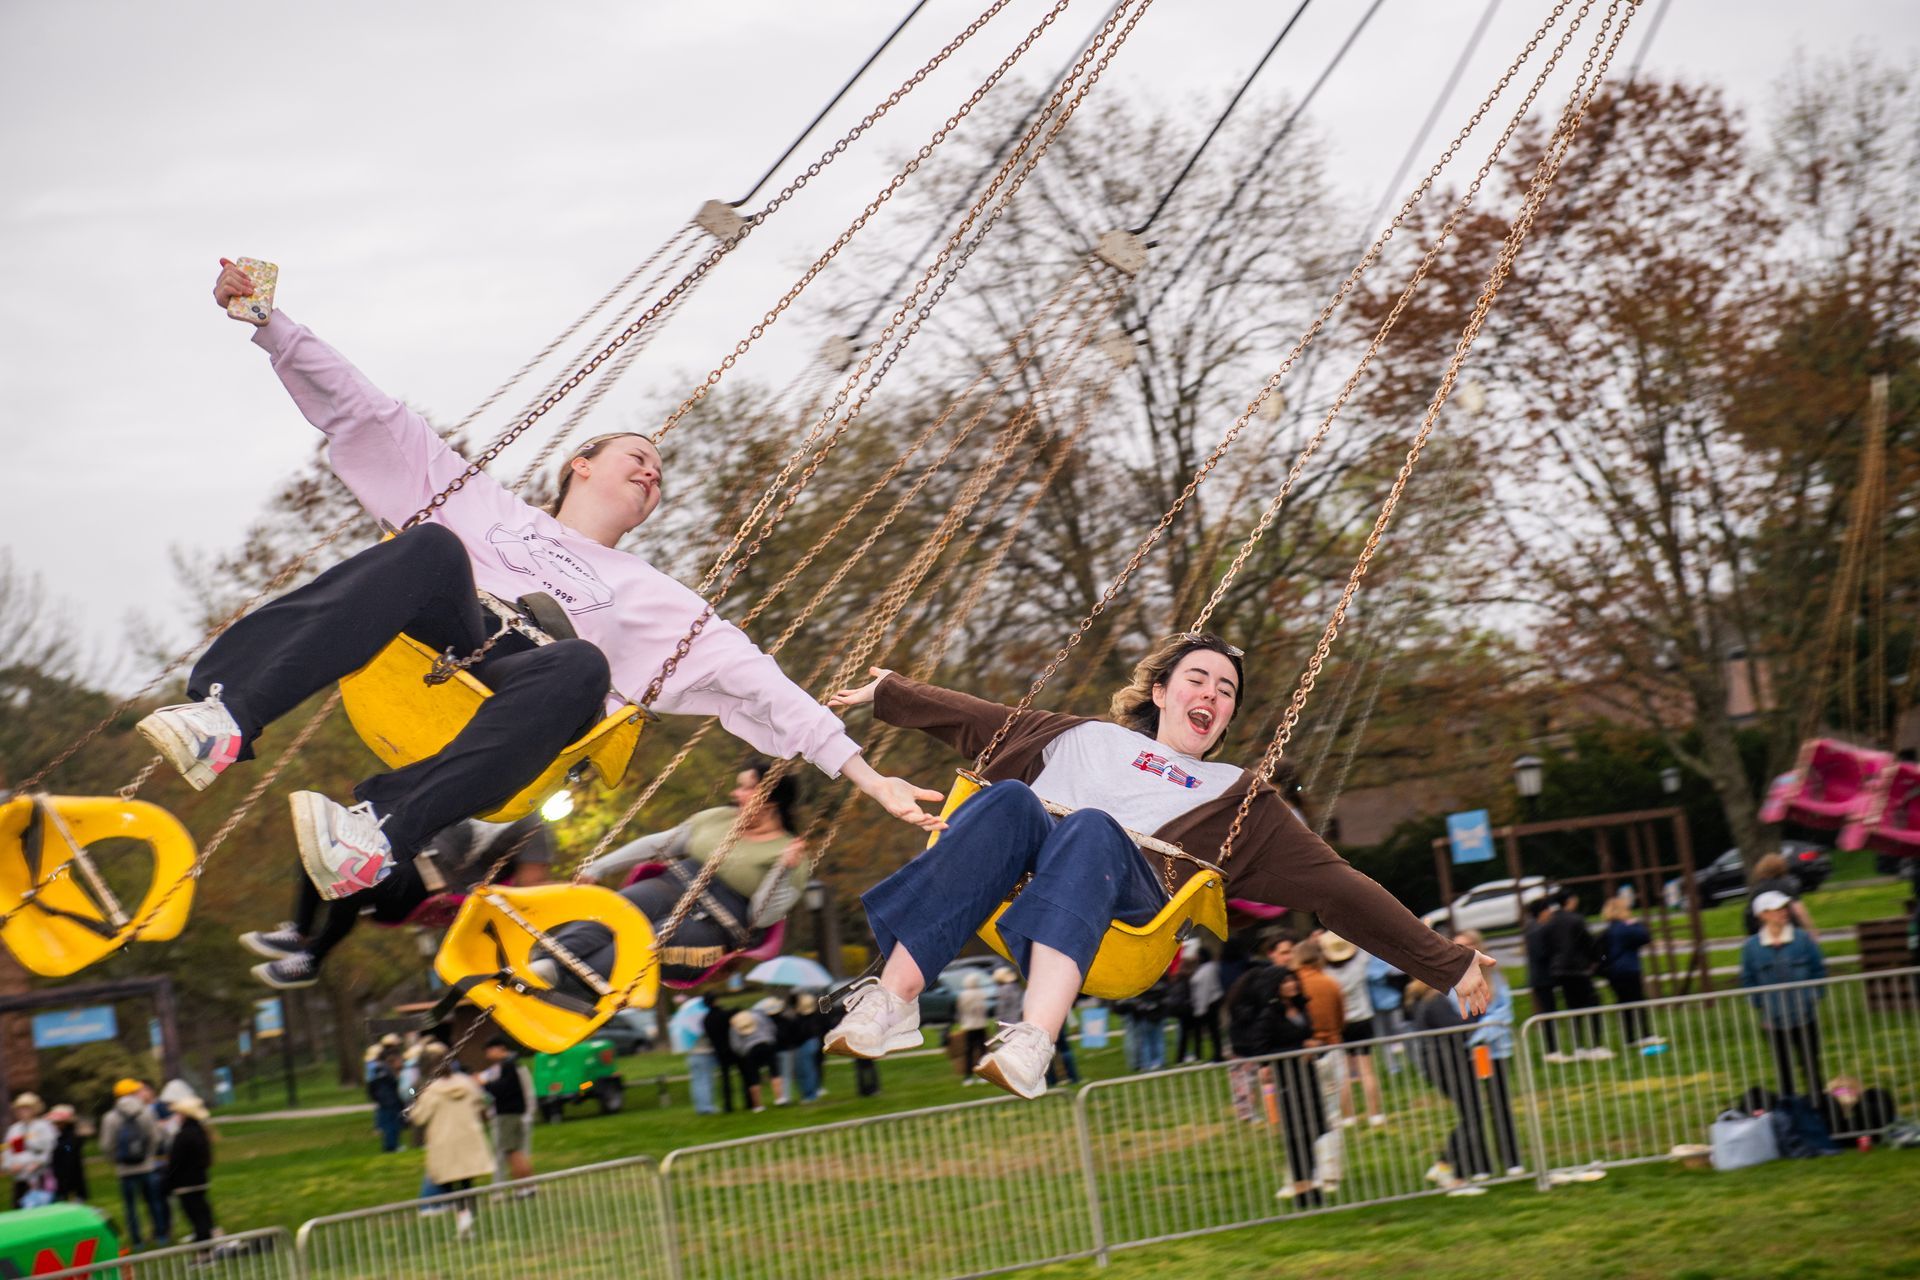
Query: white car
[1490,906]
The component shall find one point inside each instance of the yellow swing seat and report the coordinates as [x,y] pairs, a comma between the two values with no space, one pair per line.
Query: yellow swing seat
[403,719]
[1132,956]
[60,927]
[485,955]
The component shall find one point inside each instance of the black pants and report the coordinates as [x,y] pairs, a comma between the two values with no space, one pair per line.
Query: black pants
[1500,1103]
[1195,1028]
[199,1213]
[1301,1119]
[1802,1042]
[325,925]
[1580,995]
[1545,1001]
[420,583]
[1628,991]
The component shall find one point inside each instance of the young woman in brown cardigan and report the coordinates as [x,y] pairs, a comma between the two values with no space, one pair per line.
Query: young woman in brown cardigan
[1144,769]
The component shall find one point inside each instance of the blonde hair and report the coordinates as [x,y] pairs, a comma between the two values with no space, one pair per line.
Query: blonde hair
[589,450]
[1471,938]
[1132,705]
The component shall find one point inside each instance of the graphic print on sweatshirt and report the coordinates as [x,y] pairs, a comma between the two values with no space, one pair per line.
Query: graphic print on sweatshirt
[1139,781]
[563,575]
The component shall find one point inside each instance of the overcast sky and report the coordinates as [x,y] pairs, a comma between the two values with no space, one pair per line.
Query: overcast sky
[447,185]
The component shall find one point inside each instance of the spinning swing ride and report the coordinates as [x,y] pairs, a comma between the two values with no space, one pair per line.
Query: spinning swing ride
[58,915]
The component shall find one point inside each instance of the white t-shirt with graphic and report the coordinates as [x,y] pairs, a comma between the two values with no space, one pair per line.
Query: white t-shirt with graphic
[1142,783]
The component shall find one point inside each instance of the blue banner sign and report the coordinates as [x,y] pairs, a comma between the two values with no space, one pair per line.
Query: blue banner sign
[1471,835]
[74,1026]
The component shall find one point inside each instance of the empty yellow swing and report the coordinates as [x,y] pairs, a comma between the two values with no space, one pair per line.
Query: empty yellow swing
[485,955]
[1132,956]
[57,913]
[407,704]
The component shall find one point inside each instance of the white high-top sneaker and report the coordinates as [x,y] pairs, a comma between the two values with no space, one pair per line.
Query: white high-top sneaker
[342,849]
[877,1023]
[200,739]
[1017,1059]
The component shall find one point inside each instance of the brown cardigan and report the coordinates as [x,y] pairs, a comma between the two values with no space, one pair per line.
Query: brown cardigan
[1274,860]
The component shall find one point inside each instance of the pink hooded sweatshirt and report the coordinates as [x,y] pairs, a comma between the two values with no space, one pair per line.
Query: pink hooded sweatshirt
[394,463]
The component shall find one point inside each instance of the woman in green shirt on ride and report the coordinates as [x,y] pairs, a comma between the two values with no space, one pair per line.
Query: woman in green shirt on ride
[754,889]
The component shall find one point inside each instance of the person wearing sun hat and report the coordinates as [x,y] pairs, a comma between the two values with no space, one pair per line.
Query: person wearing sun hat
[1783,953]
[29,1152]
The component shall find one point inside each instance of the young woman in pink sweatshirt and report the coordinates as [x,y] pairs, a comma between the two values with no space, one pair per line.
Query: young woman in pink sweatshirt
[628,617]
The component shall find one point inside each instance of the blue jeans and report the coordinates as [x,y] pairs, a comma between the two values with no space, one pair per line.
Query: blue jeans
[138,1188]
[809,1065]
[1086,874]
[389,1121]
[700,1072]
[1146,1044]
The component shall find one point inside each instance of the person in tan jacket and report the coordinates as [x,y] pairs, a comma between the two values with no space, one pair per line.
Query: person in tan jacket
[1145,769]
[451,1111]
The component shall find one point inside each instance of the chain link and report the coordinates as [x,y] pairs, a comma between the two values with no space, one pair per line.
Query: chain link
[1233,433]
[1593,70]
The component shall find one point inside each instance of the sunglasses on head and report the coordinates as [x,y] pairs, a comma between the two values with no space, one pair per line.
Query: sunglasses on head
[1212,642]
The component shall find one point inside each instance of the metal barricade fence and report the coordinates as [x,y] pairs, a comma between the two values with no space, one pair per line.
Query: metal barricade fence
[597,1220]
[266,1254]
[1208,1148]
[1626,1084]
[960,1190]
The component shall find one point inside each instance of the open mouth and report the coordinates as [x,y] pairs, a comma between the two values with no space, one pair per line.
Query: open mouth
[1202,721]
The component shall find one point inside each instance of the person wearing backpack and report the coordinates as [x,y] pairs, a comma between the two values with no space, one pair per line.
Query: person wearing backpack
[130,1137]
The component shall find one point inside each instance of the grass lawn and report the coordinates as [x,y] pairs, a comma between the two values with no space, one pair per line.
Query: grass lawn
[1839,907]
[1848,1215]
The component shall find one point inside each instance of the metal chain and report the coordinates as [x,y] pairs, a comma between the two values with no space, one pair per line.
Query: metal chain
[1066,295]
[1031,159]
[913,491]
[873,207]
[833,413]
[1593,70]
[674,294]
[1227,440]
[239,814]
[930,656]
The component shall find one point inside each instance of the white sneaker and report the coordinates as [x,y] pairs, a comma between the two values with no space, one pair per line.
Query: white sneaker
[1347,1122]
[200,739]
[276,944]
[1559,1059]
[1441,1173]
[463,1223]
[1648,1042]
[1599,1053]
[1466,1190]
[877,1023]
[342,849]
[1017,1059]
[1375,1121]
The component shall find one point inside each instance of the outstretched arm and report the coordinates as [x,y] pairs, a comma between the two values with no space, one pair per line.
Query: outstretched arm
[1286,864]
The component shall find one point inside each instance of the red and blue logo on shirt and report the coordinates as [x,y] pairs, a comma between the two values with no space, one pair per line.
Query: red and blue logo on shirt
[1148,762]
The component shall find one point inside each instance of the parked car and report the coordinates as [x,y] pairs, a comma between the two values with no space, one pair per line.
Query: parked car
[580,1074]
[631,1030]
[1726,876]
[939,1000]
[1492,905]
